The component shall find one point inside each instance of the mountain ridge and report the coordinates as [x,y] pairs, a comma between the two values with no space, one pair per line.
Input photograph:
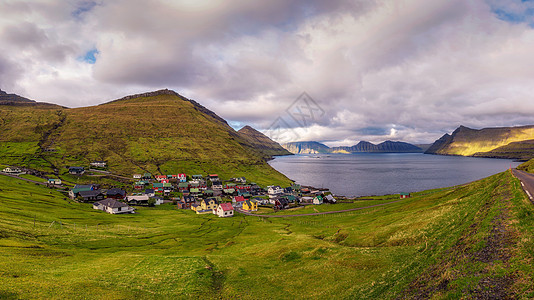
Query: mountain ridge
[495,142]
[262,142]
[312,147]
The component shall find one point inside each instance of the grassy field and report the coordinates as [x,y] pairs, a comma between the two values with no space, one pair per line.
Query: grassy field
[471,240]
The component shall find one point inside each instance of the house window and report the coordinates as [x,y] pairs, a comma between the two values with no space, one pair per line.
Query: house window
[120,208]
[225,213]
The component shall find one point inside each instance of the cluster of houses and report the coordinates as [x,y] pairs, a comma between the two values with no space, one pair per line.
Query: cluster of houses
[110,200]
[201,194]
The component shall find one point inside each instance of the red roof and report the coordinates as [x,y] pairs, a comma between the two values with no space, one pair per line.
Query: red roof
[227,206]
[181,175]
[161,176]
[239,198]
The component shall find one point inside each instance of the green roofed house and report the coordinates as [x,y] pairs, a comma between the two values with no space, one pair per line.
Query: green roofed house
[75,191]
[229,191]
[318,200]
[291,198]
[147,176]
[194,191]
[405,195]
[55,181]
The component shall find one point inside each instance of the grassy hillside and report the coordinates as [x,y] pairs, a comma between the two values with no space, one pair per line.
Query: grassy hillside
[473,241]
[261,142]
[467,142]
[527,166]
[523,150]
[159,133]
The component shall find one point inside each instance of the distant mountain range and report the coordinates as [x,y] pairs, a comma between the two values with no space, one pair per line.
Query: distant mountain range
[499,142]
[361,147]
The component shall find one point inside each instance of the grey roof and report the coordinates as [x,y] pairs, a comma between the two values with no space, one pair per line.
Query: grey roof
[87,194]
[112,203]
[116,191]
[83,186]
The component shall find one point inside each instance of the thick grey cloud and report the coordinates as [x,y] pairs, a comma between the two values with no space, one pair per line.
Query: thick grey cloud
[405,70]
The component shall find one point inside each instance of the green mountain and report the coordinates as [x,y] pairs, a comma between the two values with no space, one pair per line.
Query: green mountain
[261,142]
[160,132]
[306,147]
[502,142]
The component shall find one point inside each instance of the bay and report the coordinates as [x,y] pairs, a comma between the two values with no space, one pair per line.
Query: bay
[366,174]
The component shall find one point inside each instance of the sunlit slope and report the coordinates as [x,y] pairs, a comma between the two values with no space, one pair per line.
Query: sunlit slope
[465,242]
[22,130]
[467,142]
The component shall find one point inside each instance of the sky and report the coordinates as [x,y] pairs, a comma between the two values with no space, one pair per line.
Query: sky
[335,71]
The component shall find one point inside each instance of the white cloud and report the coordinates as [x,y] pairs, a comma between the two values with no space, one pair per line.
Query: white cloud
[423,66]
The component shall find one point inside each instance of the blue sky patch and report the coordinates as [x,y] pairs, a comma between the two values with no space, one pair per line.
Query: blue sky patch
[82,8]
[522,13]
[90,56]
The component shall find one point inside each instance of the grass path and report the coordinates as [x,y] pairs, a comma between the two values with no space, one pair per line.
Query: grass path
[314,214]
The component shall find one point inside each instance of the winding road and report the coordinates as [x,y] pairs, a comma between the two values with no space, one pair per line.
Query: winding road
[527,181]
[29,180]
[315,214]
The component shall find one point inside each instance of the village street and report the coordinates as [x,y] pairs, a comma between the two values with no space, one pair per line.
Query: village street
[527,181]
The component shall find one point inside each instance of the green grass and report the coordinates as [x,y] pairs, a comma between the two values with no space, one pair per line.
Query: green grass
[73,251]
[527,166]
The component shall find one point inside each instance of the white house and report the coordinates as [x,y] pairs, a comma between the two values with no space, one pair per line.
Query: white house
[55,181]
[225,210]
[112,206]
[182,178]
[329,198]
[274,190]
[98,164]
[137,176]
[138,200]
[12,170]
[318,200]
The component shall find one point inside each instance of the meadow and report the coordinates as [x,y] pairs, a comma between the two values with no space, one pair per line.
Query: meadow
[470,240]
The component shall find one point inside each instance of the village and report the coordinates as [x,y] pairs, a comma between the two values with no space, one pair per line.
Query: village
[204,194]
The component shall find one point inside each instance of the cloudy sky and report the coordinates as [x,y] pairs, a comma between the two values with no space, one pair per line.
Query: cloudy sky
[406,70]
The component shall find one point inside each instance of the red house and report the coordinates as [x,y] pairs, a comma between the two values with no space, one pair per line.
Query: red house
[161,177]
[238,201]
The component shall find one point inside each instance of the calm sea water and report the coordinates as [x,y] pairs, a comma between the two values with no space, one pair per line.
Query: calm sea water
[385,173]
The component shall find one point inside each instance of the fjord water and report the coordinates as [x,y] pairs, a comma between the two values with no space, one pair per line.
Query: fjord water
[366,174]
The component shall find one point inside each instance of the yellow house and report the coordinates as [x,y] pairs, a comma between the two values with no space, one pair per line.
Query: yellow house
[250,205]
[208,204]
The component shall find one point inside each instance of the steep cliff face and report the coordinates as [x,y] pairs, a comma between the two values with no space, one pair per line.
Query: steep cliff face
[484,142]
[261,142]
[306,147]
